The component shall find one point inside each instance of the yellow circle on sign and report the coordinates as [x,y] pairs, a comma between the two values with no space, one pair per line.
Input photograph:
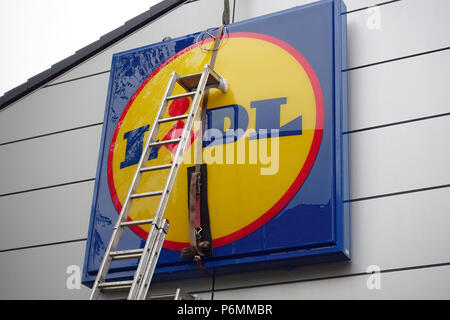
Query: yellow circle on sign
[250,180]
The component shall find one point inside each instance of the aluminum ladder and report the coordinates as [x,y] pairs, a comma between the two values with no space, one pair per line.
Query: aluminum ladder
[195,86]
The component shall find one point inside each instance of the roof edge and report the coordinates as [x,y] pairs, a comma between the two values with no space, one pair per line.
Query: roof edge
[89,51]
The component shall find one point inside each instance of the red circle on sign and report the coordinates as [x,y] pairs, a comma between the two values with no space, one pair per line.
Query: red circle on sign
[292,190]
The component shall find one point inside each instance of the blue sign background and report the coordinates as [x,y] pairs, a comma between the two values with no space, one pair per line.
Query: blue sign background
[314,225]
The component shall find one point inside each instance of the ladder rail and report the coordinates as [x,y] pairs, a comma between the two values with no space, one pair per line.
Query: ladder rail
[118,230]
[143,265]
[141,289]
[146,153]
[182,145]
[150,253]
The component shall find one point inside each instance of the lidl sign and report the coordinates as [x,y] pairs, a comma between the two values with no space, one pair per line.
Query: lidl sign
[273,144]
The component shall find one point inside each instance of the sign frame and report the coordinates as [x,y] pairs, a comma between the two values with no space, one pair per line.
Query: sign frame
[337,250]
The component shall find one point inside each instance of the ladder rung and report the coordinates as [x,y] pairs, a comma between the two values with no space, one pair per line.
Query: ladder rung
[190,76]
[136,223]
[163,297]
[146,194]
[165,142]
[126,254]
[184,116]
[189,82]
[183,95]
[156,168]
[181,295]
[115,285]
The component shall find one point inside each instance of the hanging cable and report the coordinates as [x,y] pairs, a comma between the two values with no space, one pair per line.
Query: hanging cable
[234,10]
[208,34]
[226,12]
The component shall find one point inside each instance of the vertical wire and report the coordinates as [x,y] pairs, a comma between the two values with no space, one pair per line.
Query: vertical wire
[234,9]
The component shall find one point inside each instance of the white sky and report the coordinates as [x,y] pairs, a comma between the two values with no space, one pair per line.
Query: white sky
[34,34]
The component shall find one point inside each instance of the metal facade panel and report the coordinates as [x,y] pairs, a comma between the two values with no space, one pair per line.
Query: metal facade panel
[384,231]
[256,243]
[45,216]
[40,273]
[414,284]
[47,110]
[399,34]
[27,275]
[49,161]
[399,91]
[246,9]
[400,158]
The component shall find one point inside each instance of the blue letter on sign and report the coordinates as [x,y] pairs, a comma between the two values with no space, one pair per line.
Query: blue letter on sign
[135,143]
[216,120]
[268,118]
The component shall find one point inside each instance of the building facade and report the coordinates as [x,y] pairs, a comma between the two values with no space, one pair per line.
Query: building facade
[398,75]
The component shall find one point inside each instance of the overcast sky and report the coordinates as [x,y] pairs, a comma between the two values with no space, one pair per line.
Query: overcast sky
[35,34]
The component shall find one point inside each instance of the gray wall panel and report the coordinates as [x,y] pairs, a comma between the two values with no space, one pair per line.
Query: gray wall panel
[399,158]
[45,216]
[56,108]
[406,27]
[40,273]
[428,283]
[361,4]
[51,160]
[246,9]
[391,232]
[400,90]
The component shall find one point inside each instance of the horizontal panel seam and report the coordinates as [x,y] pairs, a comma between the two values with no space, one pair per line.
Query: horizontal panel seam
[397,123]
[401,269]
[398,193]
[397,59]
[44,245]
[345,133]
[345,201]
[374,5]
[52,133]
[75,79]
[47,187]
